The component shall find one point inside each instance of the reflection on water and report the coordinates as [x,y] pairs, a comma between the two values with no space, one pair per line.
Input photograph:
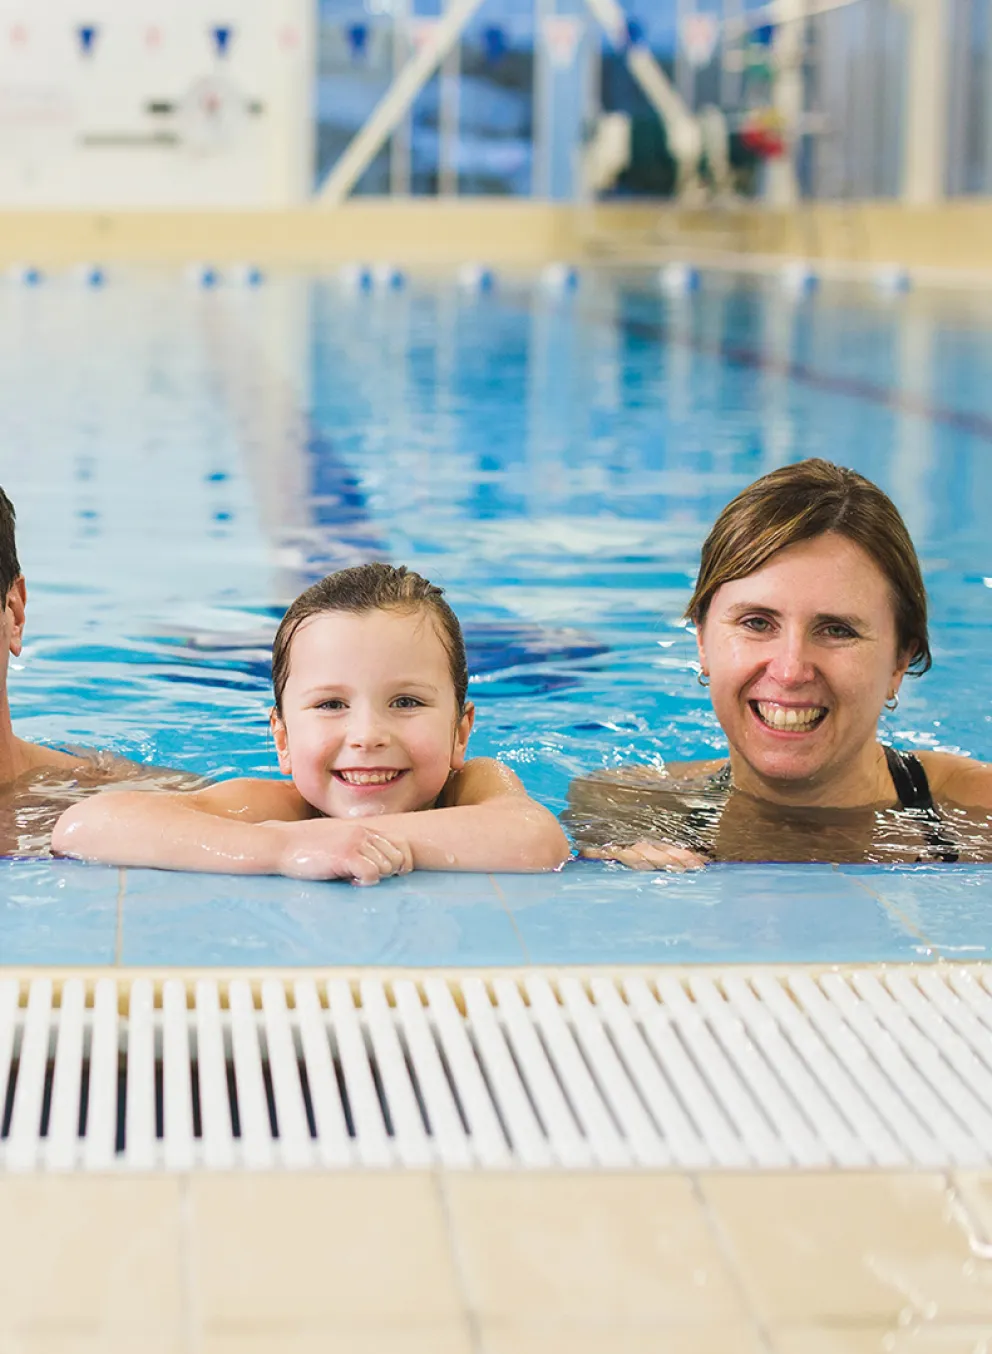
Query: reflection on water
[724,824]
[31,805]
[184,463]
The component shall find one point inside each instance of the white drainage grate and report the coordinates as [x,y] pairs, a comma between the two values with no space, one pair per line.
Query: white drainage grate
[887,1068]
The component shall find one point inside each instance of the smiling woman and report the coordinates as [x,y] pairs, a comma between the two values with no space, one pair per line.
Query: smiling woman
[371,723]
[809,610]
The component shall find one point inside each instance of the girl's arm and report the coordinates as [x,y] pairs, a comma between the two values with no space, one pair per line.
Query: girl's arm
[238,827]
[487,822]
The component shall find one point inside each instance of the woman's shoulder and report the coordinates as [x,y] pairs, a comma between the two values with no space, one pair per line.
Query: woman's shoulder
[962,780]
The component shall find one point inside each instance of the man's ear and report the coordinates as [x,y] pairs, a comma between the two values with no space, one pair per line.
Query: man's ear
[279,737]
[462,731]
[16,602]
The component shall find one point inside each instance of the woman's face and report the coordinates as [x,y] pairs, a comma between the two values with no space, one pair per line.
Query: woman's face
[801,655]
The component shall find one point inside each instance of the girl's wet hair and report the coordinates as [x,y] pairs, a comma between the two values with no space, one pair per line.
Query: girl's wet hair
[373,587]
[10,570]
[798,503]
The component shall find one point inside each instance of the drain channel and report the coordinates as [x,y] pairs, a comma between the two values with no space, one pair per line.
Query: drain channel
[870,1068]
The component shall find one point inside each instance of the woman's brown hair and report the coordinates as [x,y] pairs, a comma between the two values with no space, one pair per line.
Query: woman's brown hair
[372,587]
[799,502]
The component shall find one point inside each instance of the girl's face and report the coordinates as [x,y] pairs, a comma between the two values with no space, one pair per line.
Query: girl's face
[369,722]
[802,654]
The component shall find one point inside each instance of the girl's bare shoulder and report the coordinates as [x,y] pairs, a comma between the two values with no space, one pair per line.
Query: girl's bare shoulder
[252,800]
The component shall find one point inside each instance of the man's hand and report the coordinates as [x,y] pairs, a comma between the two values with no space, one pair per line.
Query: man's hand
[332,848]
[646,855]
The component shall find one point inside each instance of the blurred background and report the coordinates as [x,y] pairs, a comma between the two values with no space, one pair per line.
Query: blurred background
[253,103]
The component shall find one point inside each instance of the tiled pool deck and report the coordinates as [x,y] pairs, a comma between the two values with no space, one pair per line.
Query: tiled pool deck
[61,913]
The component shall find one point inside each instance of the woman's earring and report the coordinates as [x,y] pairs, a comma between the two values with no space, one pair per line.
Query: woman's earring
[893,702]
[703,678]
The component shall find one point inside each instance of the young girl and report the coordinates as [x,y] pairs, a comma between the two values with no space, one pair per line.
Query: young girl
[371,721]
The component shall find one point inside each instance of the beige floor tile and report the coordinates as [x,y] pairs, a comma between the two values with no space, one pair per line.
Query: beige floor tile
[145,1341]
[975,1191]
[513,1339]
[850,1249]
[624,1249]
[884,1340]
[335,1340]
[90,1254]
[312,1250]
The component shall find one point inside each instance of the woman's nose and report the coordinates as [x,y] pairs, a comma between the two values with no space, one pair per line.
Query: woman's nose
[791,663]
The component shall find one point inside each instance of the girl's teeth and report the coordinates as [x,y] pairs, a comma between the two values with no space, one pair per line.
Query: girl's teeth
[367,777]
[789,717]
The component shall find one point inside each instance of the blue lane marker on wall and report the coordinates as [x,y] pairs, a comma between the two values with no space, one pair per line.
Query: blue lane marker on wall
[358,37]
[635,32]
[222,39]
[87,35]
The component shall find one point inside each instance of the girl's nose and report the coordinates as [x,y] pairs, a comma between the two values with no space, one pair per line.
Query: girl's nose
[366,729]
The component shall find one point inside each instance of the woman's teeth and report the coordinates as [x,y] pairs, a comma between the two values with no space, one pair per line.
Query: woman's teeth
[368,777]
[789,716]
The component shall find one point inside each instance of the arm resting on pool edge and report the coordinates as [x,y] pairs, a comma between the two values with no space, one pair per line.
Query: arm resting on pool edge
[264,827]
[609,821]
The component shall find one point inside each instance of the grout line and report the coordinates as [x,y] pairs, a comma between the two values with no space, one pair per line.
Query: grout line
[513,921]
[191,1329]
[726,1249]
[119,931]
[900,916]
[469,1313]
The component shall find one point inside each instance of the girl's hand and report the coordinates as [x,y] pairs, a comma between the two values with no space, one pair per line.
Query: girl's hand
[330,848]
[647,855]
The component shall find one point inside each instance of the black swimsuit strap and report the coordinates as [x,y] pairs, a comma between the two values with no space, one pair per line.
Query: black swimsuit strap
[909,779]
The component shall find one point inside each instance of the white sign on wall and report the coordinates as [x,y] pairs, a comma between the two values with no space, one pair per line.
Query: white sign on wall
[155,103]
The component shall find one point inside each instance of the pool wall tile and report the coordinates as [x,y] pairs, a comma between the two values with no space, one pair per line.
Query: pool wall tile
[58,912]
[421,919]
[768,914]
[949,904]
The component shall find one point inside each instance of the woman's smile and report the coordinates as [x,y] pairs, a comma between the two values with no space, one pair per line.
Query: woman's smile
[788,719]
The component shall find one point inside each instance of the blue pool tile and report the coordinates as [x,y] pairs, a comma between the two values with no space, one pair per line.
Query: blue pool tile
[769,914]
[57,912]
[421,919]
[950,904]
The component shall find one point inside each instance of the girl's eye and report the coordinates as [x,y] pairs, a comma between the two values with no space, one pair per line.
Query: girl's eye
[407,703]
[332,703]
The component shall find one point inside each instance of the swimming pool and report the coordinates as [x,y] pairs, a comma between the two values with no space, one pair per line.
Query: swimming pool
[183,461]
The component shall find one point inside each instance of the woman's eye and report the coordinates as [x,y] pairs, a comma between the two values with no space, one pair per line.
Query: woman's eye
[407,703]
[838,631]
[759,624]
[333,703]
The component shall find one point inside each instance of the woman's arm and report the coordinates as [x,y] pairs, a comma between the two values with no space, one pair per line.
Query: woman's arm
[238,827]
[487,822]
[617,814]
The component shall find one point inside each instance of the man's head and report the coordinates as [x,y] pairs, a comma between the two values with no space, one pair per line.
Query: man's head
[12,593]
[10,570]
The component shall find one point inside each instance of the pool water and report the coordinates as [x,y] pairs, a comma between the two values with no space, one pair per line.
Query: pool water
[184,462]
